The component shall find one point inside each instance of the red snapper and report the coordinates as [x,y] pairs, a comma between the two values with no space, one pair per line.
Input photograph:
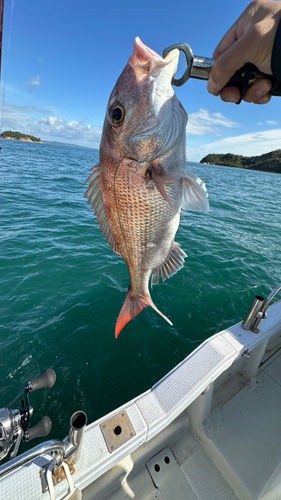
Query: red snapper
[141,182]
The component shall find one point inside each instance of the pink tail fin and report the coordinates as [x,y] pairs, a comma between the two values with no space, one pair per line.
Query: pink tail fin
[132,306]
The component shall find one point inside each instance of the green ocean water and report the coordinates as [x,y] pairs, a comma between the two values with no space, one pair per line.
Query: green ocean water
[62,287]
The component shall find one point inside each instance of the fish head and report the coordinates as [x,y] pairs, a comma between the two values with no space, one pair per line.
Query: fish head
[144,119]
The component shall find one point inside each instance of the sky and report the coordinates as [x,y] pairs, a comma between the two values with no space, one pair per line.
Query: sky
[62,58]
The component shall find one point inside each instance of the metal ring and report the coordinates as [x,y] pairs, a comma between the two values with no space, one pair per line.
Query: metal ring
[183,47]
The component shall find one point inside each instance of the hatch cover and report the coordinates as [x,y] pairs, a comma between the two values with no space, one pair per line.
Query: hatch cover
[169,478]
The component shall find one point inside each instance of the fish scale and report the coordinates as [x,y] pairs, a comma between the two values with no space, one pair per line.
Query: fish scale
[144,217]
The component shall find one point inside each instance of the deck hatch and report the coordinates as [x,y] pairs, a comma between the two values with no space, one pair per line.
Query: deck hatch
[117,431]
[169,478]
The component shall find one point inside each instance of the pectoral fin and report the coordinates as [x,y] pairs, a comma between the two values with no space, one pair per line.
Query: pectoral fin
[95,197]
[159,177]
[194,194]
[194,191]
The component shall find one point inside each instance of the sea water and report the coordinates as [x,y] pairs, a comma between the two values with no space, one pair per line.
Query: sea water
[62,287]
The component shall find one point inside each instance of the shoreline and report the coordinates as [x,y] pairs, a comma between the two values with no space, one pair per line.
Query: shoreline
[267,162]
[21,140]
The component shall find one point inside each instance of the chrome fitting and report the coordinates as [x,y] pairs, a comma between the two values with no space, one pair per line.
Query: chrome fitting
[73,442]
[257,311]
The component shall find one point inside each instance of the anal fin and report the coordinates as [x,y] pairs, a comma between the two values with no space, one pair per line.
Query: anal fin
[95,198]
[173,263]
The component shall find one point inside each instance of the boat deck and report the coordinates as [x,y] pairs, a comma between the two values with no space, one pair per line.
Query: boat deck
[209,430]
[236,453]
[249,441]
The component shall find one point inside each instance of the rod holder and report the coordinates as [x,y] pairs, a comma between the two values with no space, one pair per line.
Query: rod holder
[253,313]
[73,442]
[257,311]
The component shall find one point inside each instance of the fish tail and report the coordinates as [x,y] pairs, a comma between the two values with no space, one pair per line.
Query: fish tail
[132,306]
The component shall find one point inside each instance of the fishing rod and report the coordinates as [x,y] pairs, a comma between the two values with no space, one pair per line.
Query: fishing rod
[1,32]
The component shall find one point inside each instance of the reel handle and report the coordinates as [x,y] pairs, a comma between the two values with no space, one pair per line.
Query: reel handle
[41,429]
[45,380]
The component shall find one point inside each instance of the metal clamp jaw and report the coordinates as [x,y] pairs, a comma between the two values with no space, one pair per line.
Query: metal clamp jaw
[197,67]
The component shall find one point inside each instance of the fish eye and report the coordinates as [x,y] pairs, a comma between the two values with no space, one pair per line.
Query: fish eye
[116,114]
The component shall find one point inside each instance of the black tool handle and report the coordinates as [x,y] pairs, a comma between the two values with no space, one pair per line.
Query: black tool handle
[45,380]
[246,75]
[41,429]
[200,68]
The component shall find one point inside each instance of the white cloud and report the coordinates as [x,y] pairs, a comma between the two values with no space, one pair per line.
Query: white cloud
[252,144]
[52,121]
[205,123]
[23,109]
[35,82]
[53,128]
[16,121]
[271,122]
[76,131]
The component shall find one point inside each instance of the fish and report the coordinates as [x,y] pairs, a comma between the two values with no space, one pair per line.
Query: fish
[141,184]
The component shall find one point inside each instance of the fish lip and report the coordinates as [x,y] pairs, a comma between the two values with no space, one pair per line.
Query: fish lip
[142,49]
[146,61]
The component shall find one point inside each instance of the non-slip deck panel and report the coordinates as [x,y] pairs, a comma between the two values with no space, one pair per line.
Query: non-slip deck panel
[249,440]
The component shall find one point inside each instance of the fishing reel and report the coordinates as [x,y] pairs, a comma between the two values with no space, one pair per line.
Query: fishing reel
[14,423]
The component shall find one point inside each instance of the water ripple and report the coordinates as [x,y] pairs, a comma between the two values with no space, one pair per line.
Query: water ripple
[62,287]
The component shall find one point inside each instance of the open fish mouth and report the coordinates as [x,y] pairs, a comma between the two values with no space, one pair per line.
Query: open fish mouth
[159,128]
[147,63]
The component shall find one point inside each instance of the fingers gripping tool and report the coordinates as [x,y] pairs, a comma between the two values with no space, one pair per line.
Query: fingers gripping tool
[200,68]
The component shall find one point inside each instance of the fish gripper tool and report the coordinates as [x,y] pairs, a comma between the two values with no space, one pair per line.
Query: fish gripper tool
[200,68]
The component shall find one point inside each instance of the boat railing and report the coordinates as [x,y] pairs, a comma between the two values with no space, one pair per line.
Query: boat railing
[69,449]
[54,445]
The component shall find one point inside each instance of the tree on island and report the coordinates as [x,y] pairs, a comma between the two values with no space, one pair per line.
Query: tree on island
[18,136]
[268,162]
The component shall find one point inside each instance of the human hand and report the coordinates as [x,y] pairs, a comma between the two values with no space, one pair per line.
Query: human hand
[250,39]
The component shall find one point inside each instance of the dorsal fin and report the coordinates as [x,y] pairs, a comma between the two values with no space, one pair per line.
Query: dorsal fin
[173,263]
[95,198]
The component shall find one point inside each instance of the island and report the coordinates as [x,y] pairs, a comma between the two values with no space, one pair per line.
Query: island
[269,162]
[18,136]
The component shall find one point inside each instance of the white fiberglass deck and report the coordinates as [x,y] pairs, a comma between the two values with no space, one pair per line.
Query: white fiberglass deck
[236,453]
[248,441]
